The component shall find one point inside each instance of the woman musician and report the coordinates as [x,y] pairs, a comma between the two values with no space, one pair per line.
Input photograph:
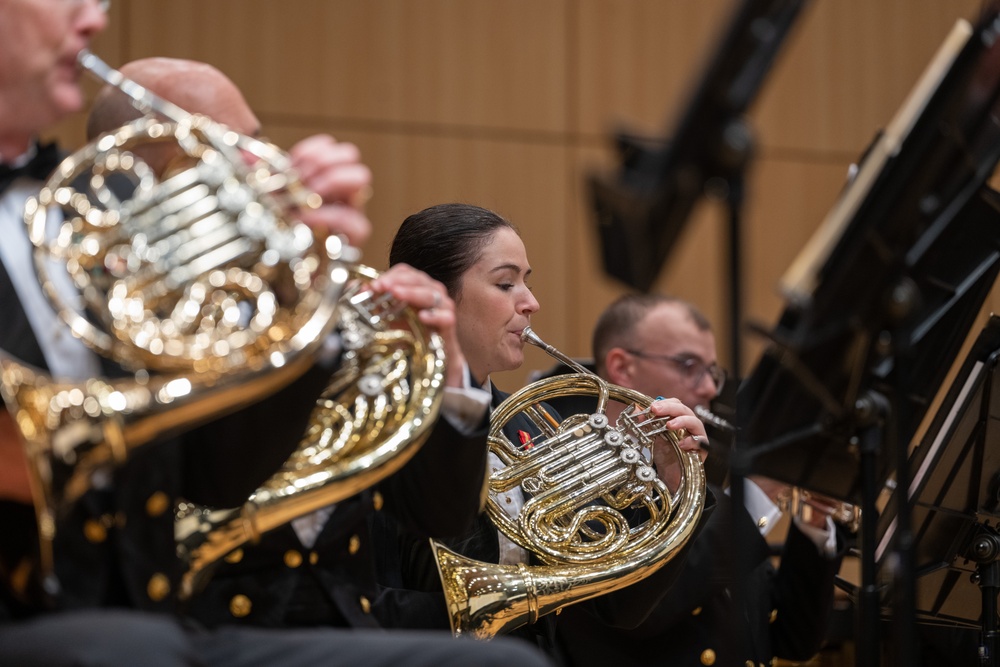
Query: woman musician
[481,260]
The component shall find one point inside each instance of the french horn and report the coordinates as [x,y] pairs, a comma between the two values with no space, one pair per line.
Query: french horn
[200,283]
[583,478]
[376,412]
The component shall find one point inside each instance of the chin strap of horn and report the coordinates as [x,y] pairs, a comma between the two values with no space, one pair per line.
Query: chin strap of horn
[584,478]
[377,411]
[199,282]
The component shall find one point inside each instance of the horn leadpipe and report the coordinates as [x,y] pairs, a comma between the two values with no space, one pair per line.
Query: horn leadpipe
[221,138]
[142,98]
[529,336]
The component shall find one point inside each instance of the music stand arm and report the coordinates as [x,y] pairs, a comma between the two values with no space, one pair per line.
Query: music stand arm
[740,147]
[986,551]
[872,410]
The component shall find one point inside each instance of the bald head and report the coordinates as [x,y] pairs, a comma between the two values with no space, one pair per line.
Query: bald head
[195,87]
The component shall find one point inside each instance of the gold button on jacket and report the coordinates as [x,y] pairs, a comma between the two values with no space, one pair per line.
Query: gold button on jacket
[157,504]
[293,558]
[158,587]
[94,531]
[240,606]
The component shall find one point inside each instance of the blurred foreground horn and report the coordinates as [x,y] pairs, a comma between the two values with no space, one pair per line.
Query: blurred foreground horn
[580,477]
[375,414]
[201,284]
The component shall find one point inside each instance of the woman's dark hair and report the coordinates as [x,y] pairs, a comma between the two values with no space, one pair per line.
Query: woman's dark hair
[443,241]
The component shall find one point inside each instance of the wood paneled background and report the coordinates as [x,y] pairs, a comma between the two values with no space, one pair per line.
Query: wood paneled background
[510,103]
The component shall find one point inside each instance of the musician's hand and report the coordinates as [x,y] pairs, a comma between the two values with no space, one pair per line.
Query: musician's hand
[665,460]
[436,310]
[334,171]
[14,484]
[683,417]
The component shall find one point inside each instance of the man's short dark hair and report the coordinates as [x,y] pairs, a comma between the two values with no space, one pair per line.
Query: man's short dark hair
[616,325]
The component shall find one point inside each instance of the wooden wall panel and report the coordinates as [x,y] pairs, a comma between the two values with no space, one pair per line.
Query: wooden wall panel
[459,62]
[636,60]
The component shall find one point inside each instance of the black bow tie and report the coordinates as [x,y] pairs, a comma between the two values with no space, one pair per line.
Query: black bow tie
[39,167]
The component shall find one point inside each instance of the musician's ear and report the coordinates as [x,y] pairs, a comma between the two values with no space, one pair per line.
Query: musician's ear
[618,366]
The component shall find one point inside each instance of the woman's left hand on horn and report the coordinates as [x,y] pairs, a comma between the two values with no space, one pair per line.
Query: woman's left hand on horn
[436,310]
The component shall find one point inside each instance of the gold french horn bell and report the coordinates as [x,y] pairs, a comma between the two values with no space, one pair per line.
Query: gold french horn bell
[375,414]
[201,284]
[582,477]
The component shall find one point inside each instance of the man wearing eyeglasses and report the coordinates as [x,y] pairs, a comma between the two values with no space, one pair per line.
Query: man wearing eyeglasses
[658,346]
[663,346]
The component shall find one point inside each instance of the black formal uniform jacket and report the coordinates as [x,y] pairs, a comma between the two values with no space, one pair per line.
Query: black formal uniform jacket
[116,547]
[279,582]
[786,608]
[412,596]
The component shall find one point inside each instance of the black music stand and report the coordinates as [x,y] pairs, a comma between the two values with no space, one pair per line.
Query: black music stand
[955,501]
[879,304]
[642,209]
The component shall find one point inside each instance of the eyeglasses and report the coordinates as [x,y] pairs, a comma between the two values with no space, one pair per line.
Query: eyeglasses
[691,368]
